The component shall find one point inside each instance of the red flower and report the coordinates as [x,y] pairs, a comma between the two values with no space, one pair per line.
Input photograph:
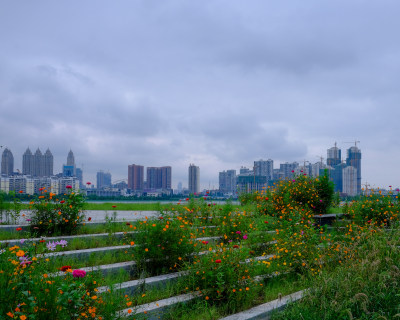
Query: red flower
[266,221]
[160,218]
[218,261]
[42,240]
[236,246]
[89,219]
[68,187]
[19,229]
[65,268]
[114,206]
[128,224]
[62,201]
[187,199]
[204,242]
[78,273]
[20,191]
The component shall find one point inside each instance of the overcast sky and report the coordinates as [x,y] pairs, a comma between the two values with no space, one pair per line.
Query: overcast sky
[216,83]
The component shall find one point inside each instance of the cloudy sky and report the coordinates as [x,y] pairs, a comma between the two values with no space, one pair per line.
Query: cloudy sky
[216,83]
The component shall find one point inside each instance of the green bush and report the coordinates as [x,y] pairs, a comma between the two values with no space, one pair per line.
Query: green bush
[162,244]
[56,215]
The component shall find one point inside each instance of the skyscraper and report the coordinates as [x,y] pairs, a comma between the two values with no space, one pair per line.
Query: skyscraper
[38,164]
[194,179]
[350,181]
[69,169]
[135,177]
[334,156]
[354,159]
[48,163]
[70,158]
[264,168]
[103,179]
[159,178]
[7,162]
[227,181]
[28,162]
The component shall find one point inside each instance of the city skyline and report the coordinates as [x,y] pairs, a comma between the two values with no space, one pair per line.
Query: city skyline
[219,84]
[346,174]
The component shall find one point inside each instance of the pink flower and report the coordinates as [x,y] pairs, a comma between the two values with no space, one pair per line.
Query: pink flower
[245,237]
[68,187]
[78,273]
[238,232]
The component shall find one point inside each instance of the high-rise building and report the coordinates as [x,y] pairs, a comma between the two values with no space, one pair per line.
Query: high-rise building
[38,164]
[194,179]
[103,180]
[350,181]
[7,162]
[159,178]
[227,181]
[70,158]
[287,169]
[334,156]
[135,177]
[48,163]
[153,178]
[264,168]
[28,162]
[79,176]
[354,159]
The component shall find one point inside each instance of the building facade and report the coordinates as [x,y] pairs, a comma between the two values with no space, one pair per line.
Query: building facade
[103,180]
[264,168]
[135,177]
[227,182]
[7,162]
[194,179]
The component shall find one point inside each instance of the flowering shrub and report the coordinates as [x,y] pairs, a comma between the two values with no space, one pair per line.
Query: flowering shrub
[56,215]
[374,209]
[164,244]
[27,291]
[315,194]
[223,277]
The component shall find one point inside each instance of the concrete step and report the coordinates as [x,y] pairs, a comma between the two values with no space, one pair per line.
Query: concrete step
[85,252]
[264,311]
[117,235]
[154,310]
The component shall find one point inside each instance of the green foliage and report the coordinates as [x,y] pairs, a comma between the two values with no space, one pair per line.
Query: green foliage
[223,277]
[374,209]
[163,244]
[364,287]
[9,209]
[56,215]
[325,191]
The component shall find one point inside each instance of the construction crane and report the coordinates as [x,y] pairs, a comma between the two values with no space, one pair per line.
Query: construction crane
[355,142]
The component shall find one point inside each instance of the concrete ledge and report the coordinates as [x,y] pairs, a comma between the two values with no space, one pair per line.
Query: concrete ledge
[155,309]
[264,311]
[81,236]
[84,253]
[128,266]
[132,287]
